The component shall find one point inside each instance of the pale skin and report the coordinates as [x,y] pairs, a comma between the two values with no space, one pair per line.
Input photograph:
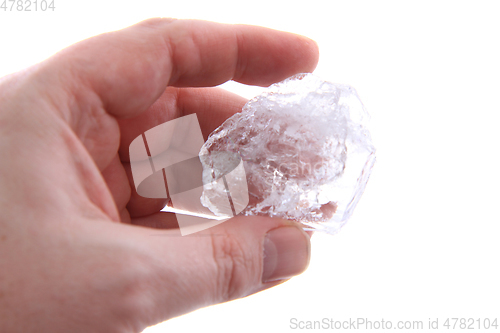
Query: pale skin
[80,251]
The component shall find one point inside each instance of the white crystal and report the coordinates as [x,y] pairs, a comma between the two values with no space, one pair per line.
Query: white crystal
[307,153]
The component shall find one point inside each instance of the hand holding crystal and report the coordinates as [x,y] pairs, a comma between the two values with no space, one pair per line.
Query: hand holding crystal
[80,251]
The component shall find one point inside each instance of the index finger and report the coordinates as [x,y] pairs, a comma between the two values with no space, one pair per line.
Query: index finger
[130,68]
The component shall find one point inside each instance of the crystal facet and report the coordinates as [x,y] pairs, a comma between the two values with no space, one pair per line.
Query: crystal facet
[306,150]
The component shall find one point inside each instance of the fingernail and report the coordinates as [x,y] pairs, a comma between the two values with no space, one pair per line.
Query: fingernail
[286,253]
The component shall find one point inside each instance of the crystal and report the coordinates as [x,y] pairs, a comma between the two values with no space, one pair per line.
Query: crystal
[306,152]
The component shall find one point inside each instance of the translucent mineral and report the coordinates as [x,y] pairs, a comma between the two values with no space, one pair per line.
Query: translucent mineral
[306,151]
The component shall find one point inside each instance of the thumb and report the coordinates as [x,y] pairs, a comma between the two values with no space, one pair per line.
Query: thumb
[234,259]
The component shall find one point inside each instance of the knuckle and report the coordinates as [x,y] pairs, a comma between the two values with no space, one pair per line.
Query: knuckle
[235,267]
[156,22]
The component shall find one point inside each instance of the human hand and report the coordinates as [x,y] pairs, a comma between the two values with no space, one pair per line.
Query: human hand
[80,251]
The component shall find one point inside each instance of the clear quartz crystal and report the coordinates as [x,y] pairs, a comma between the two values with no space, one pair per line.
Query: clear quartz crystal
[306,150]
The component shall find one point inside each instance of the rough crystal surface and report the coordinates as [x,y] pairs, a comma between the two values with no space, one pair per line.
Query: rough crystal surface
[307,153]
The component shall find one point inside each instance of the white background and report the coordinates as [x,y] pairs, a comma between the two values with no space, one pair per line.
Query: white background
[424,240]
